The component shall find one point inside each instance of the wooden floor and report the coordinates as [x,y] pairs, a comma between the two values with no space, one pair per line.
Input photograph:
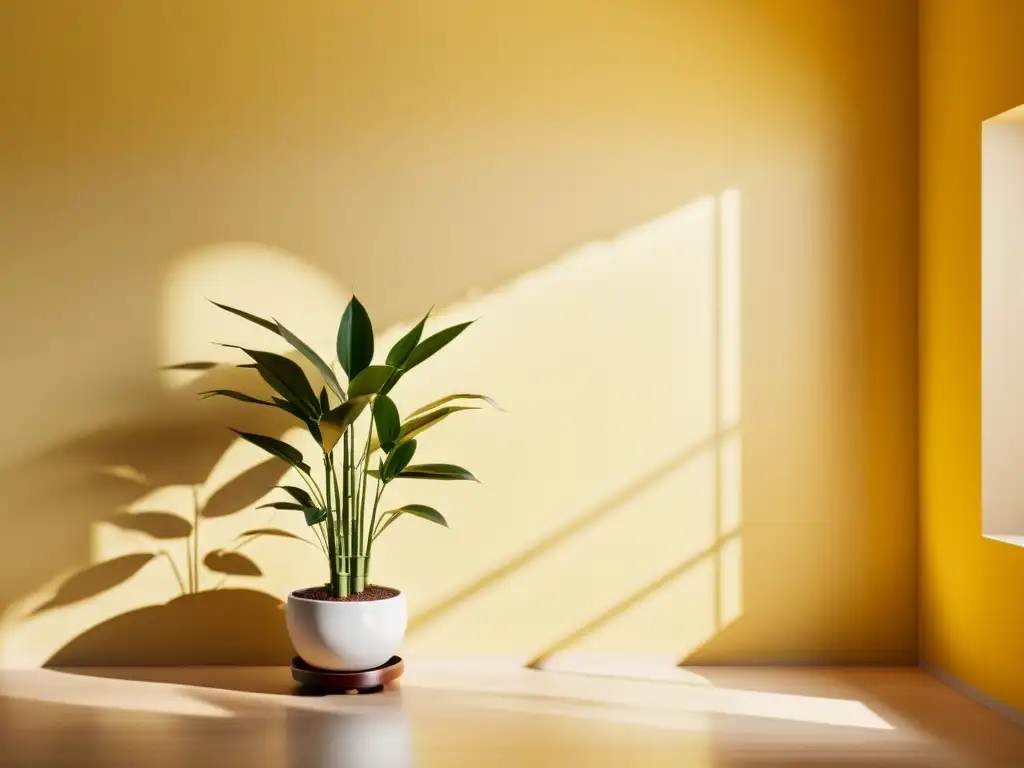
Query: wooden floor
[487,713]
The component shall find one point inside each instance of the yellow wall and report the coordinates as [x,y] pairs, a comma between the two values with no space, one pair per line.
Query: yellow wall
[972,614]
[688,228]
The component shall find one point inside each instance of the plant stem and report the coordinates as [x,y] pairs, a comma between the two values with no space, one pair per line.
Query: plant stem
[318,532]
[353,490]
[319,498]
[355,519]
[332,552]
[346,520]
[362,495]
[313,488]
[385,524]
[327,483]
[337,502]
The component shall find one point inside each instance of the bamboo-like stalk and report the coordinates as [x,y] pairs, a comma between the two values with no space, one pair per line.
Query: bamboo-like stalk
[362,494]
[332,551]
[355,545]
[346,519]
[339,530]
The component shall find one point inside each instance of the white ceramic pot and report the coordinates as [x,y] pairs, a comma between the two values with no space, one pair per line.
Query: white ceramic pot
[346,636]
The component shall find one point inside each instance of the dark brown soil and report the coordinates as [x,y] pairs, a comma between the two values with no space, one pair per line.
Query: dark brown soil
[372,592]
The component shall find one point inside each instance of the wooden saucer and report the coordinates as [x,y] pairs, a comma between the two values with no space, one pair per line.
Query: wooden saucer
[366,681]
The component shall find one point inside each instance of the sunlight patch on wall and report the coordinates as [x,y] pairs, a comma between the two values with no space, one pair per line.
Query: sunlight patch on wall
[261,279]
[730,480]
[604,360]
[730,582]
[729,290]
[607,487]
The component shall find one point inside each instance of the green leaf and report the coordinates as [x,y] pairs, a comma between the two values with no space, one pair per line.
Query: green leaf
[448,398]
[414,426]
[287,379]
[355,339]
[325,401]
[398,460]
[281,505]
[312,424]
[257,532]
[234,395]
[330,379]
[378,472]
[437,472]
[334,423]
[404,346]
[291,408]
[422,511]
[276,448]
[159,525]
[297,412]
[231,563]
[299,494]
[385,417]
[396,376]
[370,380]
[433,344]
[314,515]
[251,318]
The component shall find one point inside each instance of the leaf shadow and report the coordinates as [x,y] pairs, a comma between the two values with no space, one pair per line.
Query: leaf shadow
[159,525]
[95,579]
[231,563]
[98,476]
[245,489]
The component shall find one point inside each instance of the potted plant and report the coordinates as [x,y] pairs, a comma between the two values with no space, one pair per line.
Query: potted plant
[347,623]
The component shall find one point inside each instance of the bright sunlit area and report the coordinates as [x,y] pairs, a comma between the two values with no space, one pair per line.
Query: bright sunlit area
[1002,253]
[523,382]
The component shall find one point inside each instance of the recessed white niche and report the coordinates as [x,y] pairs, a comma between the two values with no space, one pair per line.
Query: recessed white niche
[1002,322]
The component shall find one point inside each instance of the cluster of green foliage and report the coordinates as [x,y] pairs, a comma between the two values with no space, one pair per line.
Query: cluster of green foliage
[341,509]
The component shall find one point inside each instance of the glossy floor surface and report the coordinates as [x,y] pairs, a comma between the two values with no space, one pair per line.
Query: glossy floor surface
[485,713]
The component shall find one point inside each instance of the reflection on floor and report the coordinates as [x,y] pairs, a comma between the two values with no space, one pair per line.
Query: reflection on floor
[490,711]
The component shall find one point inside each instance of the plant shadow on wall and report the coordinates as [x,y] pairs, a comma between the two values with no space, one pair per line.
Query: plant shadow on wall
[667,291]
[203,619]
[213,606]
[197,623]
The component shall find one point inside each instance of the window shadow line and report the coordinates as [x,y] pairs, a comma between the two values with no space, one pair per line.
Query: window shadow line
[625,604]
[591,516]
